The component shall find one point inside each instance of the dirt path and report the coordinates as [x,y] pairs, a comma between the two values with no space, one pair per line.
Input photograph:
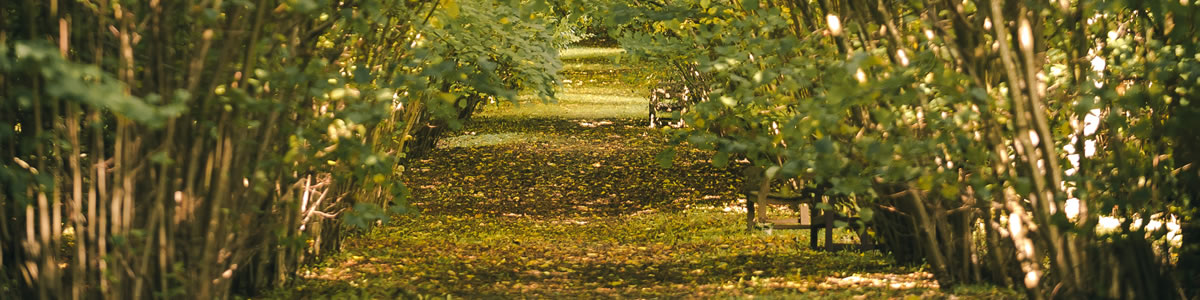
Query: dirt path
[566,201]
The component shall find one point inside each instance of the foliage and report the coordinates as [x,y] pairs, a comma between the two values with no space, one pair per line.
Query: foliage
[169,148]
[1000,134]
[498,53]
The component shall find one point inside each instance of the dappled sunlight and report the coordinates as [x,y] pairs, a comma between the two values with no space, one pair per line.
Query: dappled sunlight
[581,166]
[667,254]
[479,140]
[586,52]
[692,253]
[590,124]
[573,106]
[882,280]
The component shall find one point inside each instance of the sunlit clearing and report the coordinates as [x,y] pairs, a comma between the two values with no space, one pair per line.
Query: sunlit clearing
[581,53]
[736,206]
[882,280]
[591,124]
[480,140]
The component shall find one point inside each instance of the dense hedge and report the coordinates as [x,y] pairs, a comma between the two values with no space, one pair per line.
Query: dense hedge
[164,149]
[1047,146]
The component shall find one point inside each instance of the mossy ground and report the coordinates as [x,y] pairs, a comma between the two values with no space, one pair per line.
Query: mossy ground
[565,200]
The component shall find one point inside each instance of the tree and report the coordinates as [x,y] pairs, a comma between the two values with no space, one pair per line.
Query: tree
[1000,133]
[170,148]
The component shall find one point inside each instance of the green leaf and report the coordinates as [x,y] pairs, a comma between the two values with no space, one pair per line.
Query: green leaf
[161,158]
[749,5]
[451,8]
[721,159]
[400,194]
[1022,185]
[362,74]
[824,206]
[773,171]
[949,191]
[728,101]
[825,146]
[866,214]
[364,214]
[925,182]
[665,159]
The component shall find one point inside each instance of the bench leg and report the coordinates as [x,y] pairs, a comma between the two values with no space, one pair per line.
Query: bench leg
[829,215]
[749,215]
[868,243]
[813,230]
[865,240]
[653,116]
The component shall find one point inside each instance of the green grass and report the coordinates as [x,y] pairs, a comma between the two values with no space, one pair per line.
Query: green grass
[701,252]
[587,53]
[491,139]
[572,106]
[594,88]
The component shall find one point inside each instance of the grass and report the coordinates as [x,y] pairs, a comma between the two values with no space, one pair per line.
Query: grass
[699,252]
[565,200]
[471,140]
[594,88]
[583,53]
[573,106]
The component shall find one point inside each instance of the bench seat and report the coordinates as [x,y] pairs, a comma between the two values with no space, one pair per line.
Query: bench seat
[804,203]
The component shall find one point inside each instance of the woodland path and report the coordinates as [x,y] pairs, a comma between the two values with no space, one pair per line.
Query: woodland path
[566,200]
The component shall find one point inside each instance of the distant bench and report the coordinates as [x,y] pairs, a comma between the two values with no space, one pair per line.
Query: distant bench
[759,196]
[668,101]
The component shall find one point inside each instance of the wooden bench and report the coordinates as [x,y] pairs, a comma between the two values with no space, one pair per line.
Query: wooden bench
[759,196]
[668,101]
